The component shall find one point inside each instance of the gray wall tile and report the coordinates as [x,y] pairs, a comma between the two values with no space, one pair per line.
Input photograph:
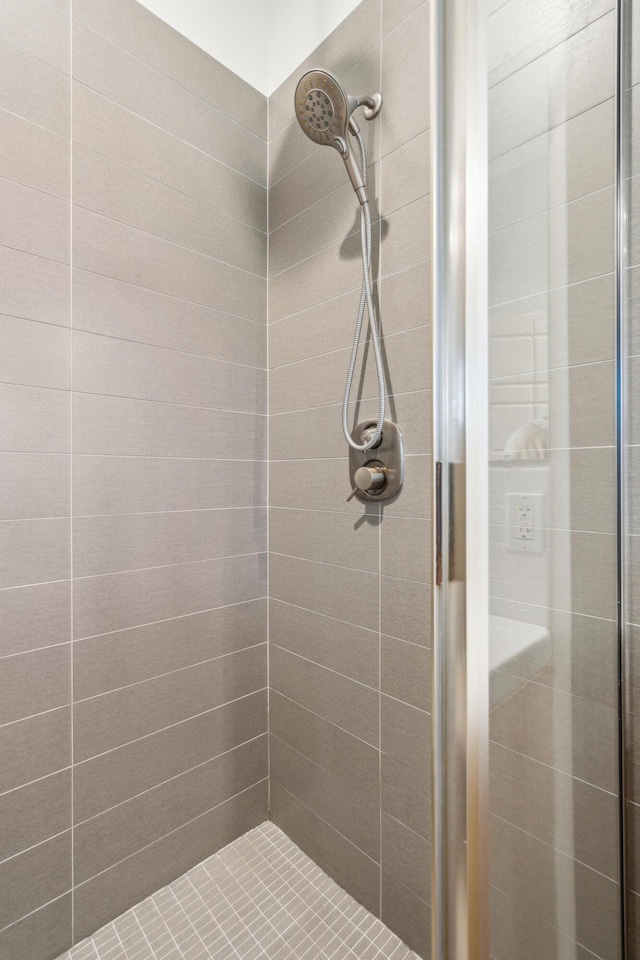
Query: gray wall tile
[34,90]
[34,485]
[118,717]
[35,354]
[38,28]
[45,933]
[34,222]
[34,616]
[405,672]
[35,420]
[349,595]
[407,914]
[35,877]
[33,288]
[405,68]
[34,551]
[35,812]
[35,748]
[33,155]
[35,682]
[326,537]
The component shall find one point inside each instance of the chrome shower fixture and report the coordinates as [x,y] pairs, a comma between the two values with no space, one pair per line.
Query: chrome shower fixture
[325,113]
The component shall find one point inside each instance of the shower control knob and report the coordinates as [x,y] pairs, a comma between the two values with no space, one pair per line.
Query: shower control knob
[369,479]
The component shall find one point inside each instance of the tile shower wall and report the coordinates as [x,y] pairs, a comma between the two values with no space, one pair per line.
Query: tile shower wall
[133,475]
[552,327]
[349,585]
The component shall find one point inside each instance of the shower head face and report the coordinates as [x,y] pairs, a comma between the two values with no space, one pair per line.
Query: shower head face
[322,108]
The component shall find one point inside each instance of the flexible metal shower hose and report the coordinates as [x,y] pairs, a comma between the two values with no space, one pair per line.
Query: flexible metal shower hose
[366,300]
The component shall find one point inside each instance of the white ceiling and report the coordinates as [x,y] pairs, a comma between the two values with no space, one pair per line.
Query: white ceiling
[262,41]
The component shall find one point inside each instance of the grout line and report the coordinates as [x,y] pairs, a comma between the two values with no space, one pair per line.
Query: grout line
[346,349]
[71,530]
[268,478]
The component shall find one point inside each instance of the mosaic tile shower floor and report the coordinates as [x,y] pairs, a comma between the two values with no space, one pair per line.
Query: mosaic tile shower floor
[260,897]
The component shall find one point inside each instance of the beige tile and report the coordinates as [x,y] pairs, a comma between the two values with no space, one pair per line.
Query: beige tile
[35,354]
[105,840]
[34,90]
[114,426]
[405,69]
[35,420]
[34,616]
[108,895]
[139,31]
[415,498]
[406,548]
[112,190]
[35,877]
[406,237]
[341,701]
[111,71]
[406,672]
[406,610]
[35,748]
[129,656]
[115,777]
[556,808]
[343,861]
[349,595]
[337,804]
[32,683]
[342,755]
[405,734]
[577,737]
[395,11]
[34,551]
[115,250]
[118,601]
[34,156]
[119,717]
[578,901]
[39,28]
[34,485]
[517,931]
[569,79]
[318,484]
[296,338]
[113,544]
[326,537]
[34,222]
[109,485]
[406,914]
[127,138]
[519,34]
[343,647]
[33,288]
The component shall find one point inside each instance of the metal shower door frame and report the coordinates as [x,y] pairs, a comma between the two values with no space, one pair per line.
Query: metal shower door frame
[460,679]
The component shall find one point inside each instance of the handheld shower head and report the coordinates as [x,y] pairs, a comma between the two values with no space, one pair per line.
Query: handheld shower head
[324,111]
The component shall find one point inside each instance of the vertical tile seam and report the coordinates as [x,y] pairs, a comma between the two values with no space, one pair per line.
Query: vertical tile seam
[71,632]
[268,481]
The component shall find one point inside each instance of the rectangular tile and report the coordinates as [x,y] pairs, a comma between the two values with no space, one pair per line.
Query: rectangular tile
[119,717]
[115,250]
[39,28]
[110,130]
[341,701]
[406,858]
[34,485]
[35,748]
[131,542]
[34,551]
[353,815]
[406,794]
[405,68]
[108,895]
[34,90]
[35,421]
[517,931]
[35,877]
[407,240]
[343,647]
[332,852]
[405,733]
[333,591]
[124,830]
[111,307]
[129,656]
[35,812]
[406,672]
[113,426]
[406,548]
[111,71]
[45,933]
[113,190]
[34,156]
[34,616]
[406,610]
[326,745]
[319,484]
[35,354]
[119,601]
[139,31]
[326,537]
[296,338]
[33,288]
[406,914]
[122,773]
[34,682]
[111,485]
[34,222]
